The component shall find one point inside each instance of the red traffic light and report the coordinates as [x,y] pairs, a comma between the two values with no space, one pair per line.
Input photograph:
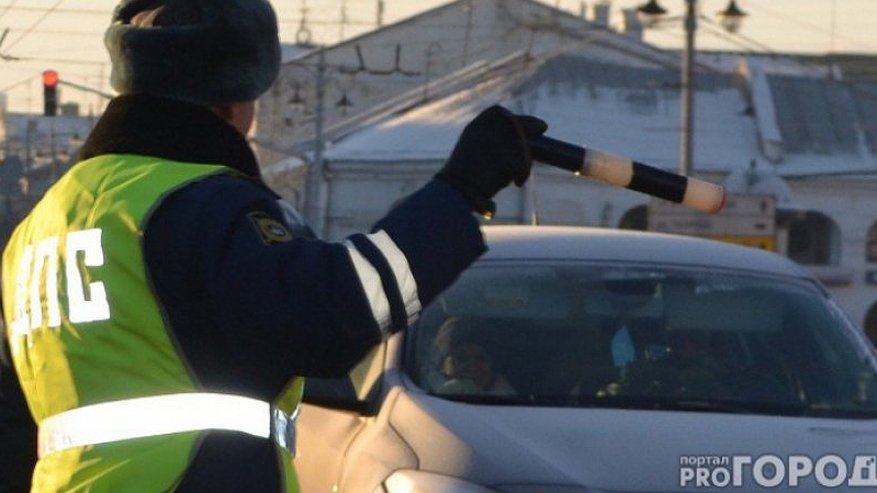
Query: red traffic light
[50,78]
[50,92]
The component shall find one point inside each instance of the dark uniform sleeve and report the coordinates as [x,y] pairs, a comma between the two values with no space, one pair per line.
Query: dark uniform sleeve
[18,434]
[252,300]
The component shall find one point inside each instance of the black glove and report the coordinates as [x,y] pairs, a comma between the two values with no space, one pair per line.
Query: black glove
[491,152]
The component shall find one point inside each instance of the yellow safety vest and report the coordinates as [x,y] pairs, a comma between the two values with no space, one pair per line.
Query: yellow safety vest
[116,407]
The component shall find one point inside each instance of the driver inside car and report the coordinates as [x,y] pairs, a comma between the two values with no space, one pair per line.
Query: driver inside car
[468,367]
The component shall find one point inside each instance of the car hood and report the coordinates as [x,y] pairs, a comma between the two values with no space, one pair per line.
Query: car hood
[607,449]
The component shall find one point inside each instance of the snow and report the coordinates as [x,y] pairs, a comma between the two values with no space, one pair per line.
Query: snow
[642,123]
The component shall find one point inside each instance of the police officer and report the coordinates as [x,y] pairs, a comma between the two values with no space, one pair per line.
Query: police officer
[160,298]
[17,432]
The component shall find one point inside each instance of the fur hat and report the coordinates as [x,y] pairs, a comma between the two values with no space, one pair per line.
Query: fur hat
[200,51]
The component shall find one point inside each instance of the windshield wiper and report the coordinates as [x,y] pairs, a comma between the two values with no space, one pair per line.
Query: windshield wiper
[707,405]
[827,410]
[693,404]
[486,398]
[509,400]
[684,405]
[668,404]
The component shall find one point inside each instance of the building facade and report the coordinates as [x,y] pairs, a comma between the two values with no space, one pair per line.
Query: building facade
[792,128]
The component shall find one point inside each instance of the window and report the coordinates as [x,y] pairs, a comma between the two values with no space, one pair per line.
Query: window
[871,324]
[620,336]
[636,218]
[814,239]
[871,245]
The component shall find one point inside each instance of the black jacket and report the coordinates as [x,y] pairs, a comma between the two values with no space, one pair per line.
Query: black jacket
[250,310]
[17,432]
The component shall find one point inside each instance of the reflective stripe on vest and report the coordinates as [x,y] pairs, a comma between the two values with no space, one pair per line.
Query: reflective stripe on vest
[160,415]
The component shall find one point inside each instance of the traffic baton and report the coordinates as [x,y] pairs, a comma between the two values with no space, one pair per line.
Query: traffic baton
[623,172]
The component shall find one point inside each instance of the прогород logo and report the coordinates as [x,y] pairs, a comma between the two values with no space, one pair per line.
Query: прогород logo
[770,471]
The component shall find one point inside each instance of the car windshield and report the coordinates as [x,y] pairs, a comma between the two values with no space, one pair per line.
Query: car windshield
[645,337]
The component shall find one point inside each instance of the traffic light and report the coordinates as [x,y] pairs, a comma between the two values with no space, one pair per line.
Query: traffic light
[50,93]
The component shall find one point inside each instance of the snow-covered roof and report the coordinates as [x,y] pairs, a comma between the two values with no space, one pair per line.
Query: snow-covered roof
[373,69]
[291,51]
[823,125]
[425,133]
[761,180]
[590,103]
[285,166]
[635,111]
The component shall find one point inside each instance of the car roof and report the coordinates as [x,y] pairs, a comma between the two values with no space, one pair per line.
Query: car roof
[614,245]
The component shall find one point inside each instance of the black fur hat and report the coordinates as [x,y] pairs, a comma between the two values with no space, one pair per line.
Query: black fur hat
[200,51]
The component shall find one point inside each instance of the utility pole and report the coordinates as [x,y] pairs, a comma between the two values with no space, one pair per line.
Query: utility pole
[28,143]
[467,8]
[650,14]
[343,23]
[54,165]
[87,89]
[687,138]
[314,212]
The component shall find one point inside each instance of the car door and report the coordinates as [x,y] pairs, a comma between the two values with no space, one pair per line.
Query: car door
[334,411]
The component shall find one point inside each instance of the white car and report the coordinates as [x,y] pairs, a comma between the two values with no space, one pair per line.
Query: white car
[592,360]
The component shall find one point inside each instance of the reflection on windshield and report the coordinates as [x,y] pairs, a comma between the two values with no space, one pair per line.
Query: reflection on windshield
[569,334]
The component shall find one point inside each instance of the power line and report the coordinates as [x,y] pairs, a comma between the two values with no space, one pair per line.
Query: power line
[782,16]
[335,23]
[65,61]
[7,7]
[737,39]
[12,6]
[20,83]
[61,32]
[36,23]
[30,54]
[810,26]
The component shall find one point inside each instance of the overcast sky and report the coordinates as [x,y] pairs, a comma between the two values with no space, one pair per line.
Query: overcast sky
[65,35]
